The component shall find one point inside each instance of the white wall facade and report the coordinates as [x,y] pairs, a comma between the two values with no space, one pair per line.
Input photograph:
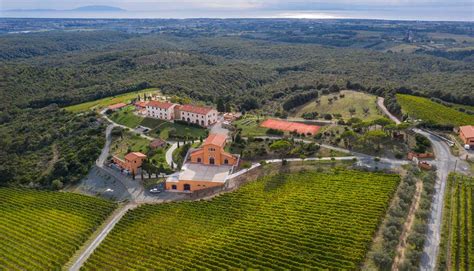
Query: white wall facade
[160,113]
[204,120]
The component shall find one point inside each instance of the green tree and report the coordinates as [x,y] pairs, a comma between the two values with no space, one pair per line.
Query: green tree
[282,147]
[220,105]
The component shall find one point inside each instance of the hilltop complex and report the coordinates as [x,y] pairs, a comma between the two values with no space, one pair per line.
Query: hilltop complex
[203,116]
[207,166]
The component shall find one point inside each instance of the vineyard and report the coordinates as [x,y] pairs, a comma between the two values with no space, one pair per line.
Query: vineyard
[427,110]
[304,220]
[42,230]
[457,240]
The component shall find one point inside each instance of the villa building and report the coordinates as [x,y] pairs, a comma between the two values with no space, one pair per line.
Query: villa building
[131,162]
[200,115]
[160,110]
[207,166]
[204,116]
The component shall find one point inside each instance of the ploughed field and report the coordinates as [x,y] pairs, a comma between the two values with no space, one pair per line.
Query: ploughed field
[41,230]
[287,221]
[457,239]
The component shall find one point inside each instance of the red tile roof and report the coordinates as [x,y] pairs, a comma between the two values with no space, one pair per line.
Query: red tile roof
[195,109]
[141,104]
[134,155]
[163,105]
[216,139]
[116,106]
[468,131]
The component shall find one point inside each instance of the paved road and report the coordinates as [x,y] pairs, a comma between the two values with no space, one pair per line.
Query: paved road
[384,109]
[445,163]
[87,252]
[123,126]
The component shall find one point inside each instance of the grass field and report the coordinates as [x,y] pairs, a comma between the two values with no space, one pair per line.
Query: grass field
[427,110]
[305,220]
[133,142]
[160,128]
[101,103]
[42,230]
[250,126]
[457,239]
[352,99]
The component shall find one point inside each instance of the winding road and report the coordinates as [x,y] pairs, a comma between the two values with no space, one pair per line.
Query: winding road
[445,162]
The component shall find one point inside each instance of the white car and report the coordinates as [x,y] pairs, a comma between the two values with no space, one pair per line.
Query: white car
[155,190]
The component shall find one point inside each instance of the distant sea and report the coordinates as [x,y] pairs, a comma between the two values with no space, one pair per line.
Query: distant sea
[427,14]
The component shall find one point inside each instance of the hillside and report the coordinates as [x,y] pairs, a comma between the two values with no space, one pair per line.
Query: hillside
[290,221]
[432,112]
[342,103]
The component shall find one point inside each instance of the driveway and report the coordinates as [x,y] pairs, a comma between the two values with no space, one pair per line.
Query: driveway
[384,109]
[445,163]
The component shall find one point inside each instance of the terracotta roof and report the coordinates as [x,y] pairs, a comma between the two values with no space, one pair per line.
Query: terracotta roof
[157,143]
[116,106]
[141,104]
[134,155]
[216,139]
[163,105]
[468,130]
[195,109]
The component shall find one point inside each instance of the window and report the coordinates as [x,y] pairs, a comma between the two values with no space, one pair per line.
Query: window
[226,161]
[173,187]
[199,160]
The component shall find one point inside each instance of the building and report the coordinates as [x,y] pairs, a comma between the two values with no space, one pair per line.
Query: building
[200,115]
[466,133]
[131,162]
[212,152]
[158,143]
[140,107]
[160,110]
[207,166]
[204,116]
[115,107]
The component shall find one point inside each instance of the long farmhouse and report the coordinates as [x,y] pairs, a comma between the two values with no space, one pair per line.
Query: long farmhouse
[203,116]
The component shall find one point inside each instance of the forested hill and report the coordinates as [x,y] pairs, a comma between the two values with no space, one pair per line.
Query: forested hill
[203,67]
[243,61]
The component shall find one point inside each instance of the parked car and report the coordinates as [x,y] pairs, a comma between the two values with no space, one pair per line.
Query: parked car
[155,190]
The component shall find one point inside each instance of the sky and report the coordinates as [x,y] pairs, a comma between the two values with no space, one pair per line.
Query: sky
[452,10]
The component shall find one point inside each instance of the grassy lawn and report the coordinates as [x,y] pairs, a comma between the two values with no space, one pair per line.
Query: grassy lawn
[136,143]
[160,128]
[41,230]
[427,110]
[130,141]
[250,126]
[165,129]
[125,116]
[305,220]
[101,103]
[352,99]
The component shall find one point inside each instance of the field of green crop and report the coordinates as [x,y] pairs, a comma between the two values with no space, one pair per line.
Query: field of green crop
[42,230]
[427,110]
[289,221]
[101,103]
[457,239]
